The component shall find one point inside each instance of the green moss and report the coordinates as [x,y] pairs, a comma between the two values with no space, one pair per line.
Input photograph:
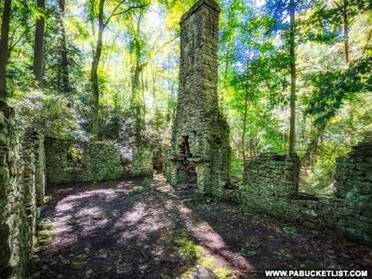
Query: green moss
[44,224]
[46,233]
[43,241]
[188,249]
[192,252]
[136,190]
[223,273]
[289,230]
[246,252]
[47,199]
[208,262]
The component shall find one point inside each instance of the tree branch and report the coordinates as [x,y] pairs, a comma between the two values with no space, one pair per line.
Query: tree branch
[144,64]
[12,45]
[114,13]
[166,43]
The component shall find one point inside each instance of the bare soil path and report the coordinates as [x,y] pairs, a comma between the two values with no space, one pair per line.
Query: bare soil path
[125,229]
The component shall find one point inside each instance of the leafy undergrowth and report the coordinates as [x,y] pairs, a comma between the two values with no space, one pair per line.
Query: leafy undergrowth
[147,229]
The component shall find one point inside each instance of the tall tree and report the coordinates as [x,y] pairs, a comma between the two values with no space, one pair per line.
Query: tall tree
[337,16]
[64,73]
[4,47]
[279,10]
[292,57]
[329,20]
[137,49]
[119,9]
[39,42]
[94,70]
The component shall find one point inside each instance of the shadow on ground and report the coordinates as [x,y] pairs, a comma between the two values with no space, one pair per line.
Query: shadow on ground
[123,229]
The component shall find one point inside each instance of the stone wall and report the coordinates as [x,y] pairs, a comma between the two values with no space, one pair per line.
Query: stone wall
[200,150]
[349,213]
[21,162]
[72,161]
[354,173]
[273,174]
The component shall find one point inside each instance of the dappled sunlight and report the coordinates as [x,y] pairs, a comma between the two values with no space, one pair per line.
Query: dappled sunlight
[146,232]
[132,217]
[119,216]
[213,243]
[140,222]
[106,194]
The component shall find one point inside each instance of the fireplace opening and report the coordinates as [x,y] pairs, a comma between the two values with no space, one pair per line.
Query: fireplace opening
[185,147]
[187,172]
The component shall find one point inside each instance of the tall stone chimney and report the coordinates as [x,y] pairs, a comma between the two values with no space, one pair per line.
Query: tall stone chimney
[200,138]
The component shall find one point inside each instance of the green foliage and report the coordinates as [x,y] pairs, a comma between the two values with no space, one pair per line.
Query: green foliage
[337,86]
[247,208]
[75,154]
[147,182]
[46,113]
[47,199]
[333,110]
[290,230]
[136,191]
[236,169]
[246,252]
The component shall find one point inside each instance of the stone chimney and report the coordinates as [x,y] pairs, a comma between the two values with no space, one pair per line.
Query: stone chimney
[200,138]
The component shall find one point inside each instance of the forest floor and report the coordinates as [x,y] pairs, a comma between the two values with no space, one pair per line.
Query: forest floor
[128,229]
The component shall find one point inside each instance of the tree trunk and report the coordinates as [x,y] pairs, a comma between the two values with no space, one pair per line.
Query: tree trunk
[4,47]
[39,44]
[245,116]
[226,71]
[136,85]
[308,158]
[64,77]
[292,124]
[137,68]
[346,32]
[136,79]
[94,74]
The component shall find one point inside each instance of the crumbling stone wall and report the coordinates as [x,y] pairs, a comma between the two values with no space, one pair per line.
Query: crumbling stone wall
[40,169]
[18,184]
[99,161]
[349,213]
[200,138]
[354,173]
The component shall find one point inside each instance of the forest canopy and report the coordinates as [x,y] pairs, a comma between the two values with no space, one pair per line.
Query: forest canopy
[294,75]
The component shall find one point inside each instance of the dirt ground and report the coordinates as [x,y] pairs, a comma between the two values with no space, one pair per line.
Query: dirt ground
[130,229]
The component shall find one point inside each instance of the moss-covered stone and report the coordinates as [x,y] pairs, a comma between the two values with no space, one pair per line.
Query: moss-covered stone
[19,165]
[273,174]
[97,161]
[200,138]
[271,187]
[72,161]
